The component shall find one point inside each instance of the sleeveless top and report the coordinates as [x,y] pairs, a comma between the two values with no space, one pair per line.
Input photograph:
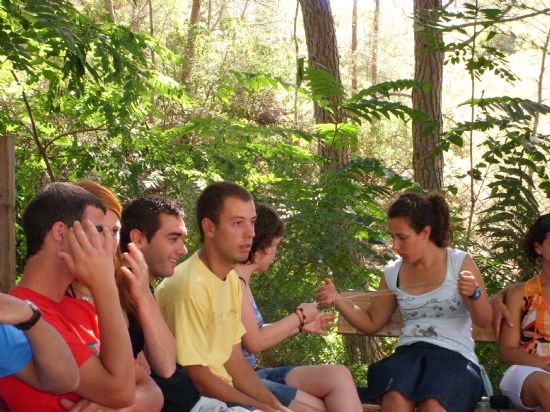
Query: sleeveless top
[535,320]
[251,358]
[439,317]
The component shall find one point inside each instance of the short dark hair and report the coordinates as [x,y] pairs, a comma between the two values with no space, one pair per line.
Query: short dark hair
[536,233]
[57,202]
[210,201]
[268,227]
[421,211]
[144,214]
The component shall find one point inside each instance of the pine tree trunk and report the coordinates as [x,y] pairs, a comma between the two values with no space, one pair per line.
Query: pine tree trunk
[354,48]
[428,67]
[190,47]
[323,54]
[374,43]
[110,9]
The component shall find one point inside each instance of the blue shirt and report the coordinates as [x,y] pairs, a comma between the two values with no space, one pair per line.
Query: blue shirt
[260,321]
[15,351]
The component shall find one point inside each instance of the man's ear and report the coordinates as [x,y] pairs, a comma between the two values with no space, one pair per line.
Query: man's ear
[59,232]
[208,228]
[137,237]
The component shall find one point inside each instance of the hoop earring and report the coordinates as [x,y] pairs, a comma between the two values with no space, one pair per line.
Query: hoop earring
[538,260]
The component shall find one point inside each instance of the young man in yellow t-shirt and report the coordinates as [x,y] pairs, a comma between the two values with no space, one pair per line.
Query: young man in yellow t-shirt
[202,301]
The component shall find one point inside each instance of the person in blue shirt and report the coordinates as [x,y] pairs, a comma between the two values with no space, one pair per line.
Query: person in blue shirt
[32,350]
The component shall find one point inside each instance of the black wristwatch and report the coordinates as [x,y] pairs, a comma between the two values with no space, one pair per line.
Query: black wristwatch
[36,315]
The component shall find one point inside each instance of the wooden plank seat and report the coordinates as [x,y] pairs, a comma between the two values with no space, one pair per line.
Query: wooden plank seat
[393,329]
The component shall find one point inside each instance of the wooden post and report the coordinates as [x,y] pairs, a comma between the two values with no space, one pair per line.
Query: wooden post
[7,213]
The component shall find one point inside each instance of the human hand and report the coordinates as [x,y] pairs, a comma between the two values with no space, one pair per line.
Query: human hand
[91,258]
[309,311]
[467,283]
[13,310]
[320,324]
[500,314]
[137,276]
[327,294]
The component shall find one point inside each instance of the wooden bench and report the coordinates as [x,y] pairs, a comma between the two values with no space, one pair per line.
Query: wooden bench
[393,329]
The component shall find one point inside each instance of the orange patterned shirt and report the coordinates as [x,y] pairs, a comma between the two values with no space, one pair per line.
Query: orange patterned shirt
[535,320]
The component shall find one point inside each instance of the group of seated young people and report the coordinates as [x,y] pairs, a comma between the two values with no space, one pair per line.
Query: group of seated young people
[84,330]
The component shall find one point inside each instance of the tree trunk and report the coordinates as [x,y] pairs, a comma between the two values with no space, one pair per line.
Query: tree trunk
[323,54]
[151,28]
[540,82]
[109,7]
[7,213]
[354,48]
[374,43]
[190,48]
[428,67]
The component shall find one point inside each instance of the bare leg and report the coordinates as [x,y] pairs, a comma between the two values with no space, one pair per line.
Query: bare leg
[430,405]
[536,391]
[331,383]
[393,401]
[304,402]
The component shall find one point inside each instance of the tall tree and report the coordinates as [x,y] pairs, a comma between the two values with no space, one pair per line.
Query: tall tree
[110,9]
[428,67]
[354,48]
[374,43]
[323,54]
[190,47]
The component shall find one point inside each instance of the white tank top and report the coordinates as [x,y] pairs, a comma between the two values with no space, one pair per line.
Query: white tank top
[440,316]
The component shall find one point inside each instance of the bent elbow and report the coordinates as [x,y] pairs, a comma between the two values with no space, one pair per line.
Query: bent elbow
[68,384]
[165,372]
[122,398]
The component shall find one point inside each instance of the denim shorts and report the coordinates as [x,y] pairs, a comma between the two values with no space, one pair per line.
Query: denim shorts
[421,371]
[274,379]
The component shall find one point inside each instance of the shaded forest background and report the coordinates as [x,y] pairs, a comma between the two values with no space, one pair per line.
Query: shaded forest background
[324,112]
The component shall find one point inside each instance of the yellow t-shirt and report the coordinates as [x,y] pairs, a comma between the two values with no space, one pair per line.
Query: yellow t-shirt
[204,314]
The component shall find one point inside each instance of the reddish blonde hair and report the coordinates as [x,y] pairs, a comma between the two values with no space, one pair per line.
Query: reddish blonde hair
[109,199]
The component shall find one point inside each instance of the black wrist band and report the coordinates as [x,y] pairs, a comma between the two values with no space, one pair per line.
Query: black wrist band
[302,318]
[35,317]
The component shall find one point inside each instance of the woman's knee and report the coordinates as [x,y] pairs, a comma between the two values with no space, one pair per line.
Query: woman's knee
[395,401]
[430,405]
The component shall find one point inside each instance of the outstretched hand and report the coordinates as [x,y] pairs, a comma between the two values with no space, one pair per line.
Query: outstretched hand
[327,294]
[91,261]
[320,324]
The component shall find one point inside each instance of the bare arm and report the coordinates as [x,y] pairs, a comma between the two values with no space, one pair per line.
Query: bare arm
[500,311]
[213,386]
[470,278]
[160,345]
[368,322]
[109,379]
[246,381]
[256,339]
[52,367]
[510,336]
[148,398]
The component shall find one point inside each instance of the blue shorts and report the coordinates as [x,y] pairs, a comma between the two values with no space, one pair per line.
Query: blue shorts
[274,379]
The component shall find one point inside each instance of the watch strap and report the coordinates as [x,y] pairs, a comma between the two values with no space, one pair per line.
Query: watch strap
[35,317]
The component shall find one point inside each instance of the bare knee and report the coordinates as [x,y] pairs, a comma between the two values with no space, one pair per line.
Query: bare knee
[341,373]
[430,405]
[395,401]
